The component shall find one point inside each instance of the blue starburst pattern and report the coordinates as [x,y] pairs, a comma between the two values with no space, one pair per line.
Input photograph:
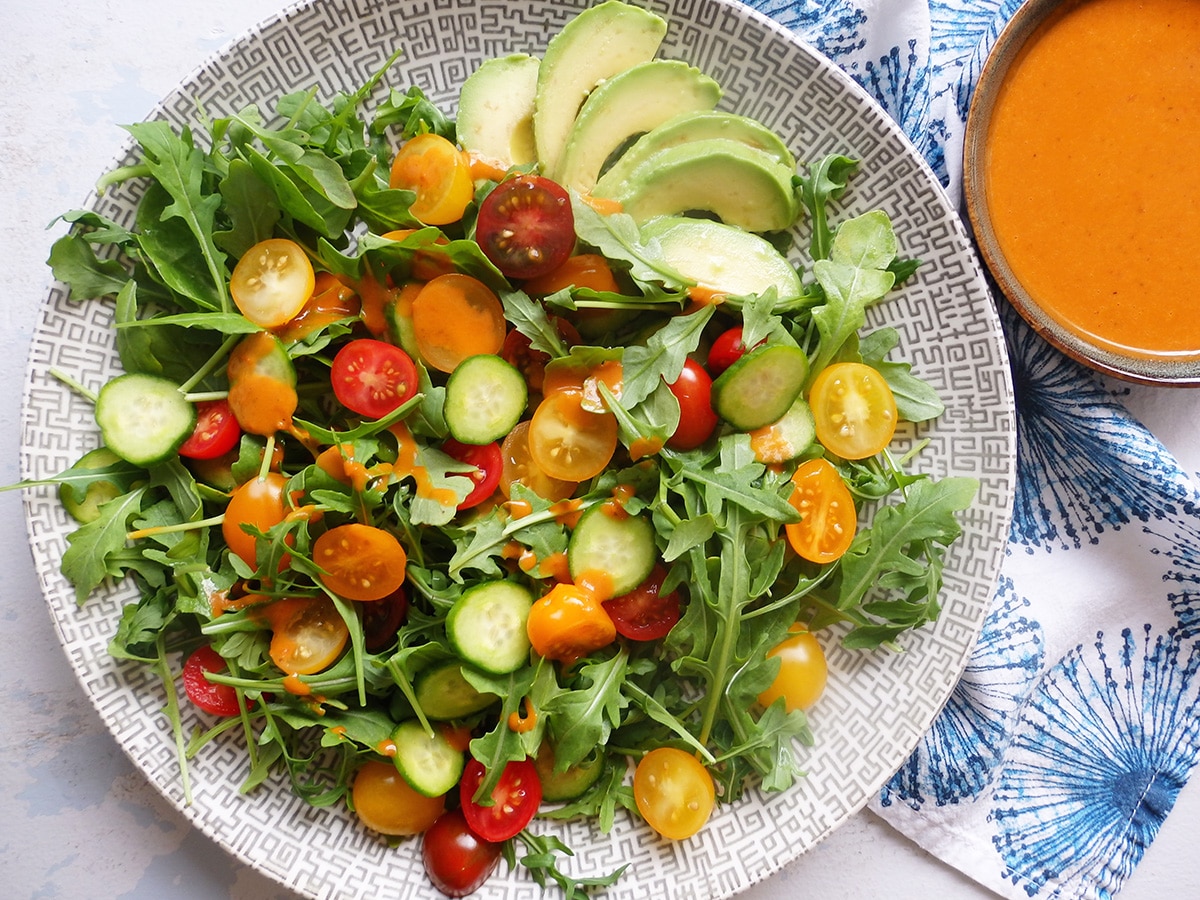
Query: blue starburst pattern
[1182,549]
[1083,466]
[834,27]
[1105,746]
[957,756]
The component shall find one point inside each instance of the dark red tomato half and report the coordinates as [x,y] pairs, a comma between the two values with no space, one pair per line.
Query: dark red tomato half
[515,799]
[217,699]
[525,226]
[216,432]
[382,619]
[693,390]
[373,378]
[518,351]
[645,613]
[456,859]
[488,461]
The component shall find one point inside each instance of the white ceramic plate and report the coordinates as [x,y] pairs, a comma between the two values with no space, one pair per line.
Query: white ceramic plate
[877,704]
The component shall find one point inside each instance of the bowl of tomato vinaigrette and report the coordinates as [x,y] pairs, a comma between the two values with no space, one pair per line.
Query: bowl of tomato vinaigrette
[1082,180]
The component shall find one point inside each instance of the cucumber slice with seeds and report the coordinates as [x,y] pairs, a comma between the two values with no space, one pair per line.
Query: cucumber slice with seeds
[486,626]
[143,418]
[443,693]
[617,547]
[426,761]
[760,387]
[485,397]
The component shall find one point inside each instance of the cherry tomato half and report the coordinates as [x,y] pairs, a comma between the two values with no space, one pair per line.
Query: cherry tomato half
[673,792]
[568,623]
[693,390]
[828,518]
[514,800]
[854,410]
[216,432]
[526,227]
[802,671]
[569,442]
[488,461]
[382,619]
[373,378]
[438,173]
[308,635]
[272,282]
[217,699]
[645,613]
[385,802]
[456,859]
[520,468]
[360,562]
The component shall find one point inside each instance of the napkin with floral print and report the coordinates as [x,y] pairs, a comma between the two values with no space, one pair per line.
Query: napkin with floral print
[1077,720]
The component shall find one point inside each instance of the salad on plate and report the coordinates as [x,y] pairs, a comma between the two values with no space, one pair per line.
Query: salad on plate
[517,464]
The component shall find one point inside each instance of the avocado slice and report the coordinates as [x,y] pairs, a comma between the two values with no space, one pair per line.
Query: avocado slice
[698,126]
[600,42]
[743,186]
[723,258]
[495,110]
[625,106]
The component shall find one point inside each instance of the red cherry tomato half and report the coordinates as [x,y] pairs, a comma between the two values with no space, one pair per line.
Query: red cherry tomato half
[217,699]
[693,390]
[645,613]
[515,799]
[456,859]
[725,351]
[525,226]
[382,619]
[216,432]
[373,378]
[488,462]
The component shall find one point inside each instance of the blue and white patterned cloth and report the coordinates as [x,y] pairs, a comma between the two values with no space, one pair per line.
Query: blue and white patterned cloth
[1077,721]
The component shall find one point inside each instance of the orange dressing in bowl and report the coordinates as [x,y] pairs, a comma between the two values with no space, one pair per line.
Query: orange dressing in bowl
[1093,173]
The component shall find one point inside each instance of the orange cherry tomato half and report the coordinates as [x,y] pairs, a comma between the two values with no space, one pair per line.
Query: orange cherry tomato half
[455,316]
[853,409]
[568,623]
[308,635]
[440,176]
[802,674]
[360,562]
[258,502]
[520,468]
[584,270]
[272,281]
[828,518]
[673,792]
[569,442]
[385,802]
[373,378]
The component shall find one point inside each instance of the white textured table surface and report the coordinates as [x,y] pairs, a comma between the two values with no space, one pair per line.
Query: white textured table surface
[76,820]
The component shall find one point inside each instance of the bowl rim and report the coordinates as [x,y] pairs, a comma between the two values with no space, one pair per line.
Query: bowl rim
[1148,370]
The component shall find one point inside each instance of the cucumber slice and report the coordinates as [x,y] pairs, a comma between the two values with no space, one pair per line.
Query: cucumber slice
[618,547]
[760,387]
[444,694]
[426,761]
[787,438]
[143,418]
[568,784]
[87,508]
[486,626]
[485,397]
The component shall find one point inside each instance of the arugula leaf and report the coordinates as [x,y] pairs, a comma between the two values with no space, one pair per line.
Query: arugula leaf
[75,264]
[582,718]
[92,554]
[618,237]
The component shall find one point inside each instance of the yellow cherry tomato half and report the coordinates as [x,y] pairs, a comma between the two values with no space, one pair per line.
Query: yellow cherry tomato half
[853,409]
[308,635]
[802,674]
[674,792]
[438,173]
[385,802]
[360,562]
[568,441]
[828,518]
[272,282]
[519,468]
[568,623]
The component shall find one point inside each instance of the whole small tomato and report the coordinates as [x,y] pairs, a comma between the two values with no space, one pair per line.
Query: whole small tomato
[693,390]
[456,859]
